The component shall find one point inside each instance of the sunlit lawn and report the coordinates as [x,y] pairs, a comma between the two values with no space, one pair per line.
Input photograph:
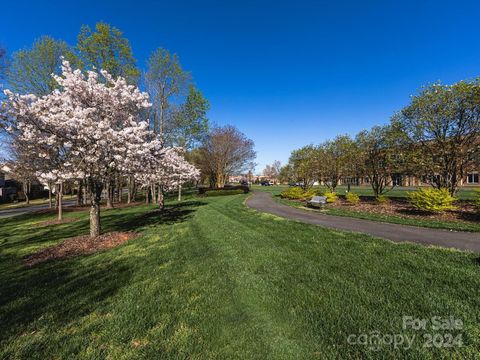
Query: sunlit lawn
[212,279]
[464,193]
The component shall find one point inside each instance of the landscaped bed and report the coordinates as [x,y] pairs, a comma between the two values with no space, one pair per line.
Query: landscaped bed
[79,245]
[396,210]
[464,218]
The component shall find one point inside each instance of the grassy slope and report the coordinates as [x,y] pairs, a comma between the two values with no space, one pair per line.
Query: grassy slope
[395,219]
[212,279]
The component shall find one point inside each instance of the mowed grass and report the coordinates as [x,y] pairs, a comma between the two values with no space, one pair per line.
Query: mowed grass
[212,279]
[472,225]
[464,193]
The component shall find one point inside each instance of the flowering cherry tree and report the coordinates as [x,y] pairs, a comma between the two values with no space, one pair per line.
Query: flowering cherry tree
[91,129]
[167,170]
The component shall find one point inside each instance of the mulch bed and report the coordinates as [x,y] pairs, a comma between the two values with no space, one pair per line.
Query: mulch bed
[55,222]
[465,211]
[79,245]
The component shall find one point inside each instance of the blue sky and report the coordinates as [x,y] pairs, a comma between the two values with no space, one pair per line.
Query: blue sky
[286,73]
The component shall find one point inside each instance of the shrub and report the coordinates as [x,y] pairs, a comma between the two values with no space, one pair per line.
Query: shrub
[293,193]
[307,195]
[202,190]
[224,192]
[331,196]
[432,200]
[382,199]
[477,201]
[352,198]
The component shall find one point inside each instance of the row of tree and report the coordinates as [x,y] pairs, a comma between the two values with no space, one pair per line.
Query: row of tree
[96,131]
[178,111]
[436,138]
[90,131]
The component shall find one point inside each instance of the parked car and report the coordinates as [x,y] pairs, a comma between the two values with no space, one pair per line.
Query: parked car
[297,184]
[266,183]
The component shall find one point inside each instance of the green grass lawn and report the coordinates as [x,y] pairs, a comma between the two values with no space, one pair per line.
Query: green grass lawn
[212,279]
[465,193]
[473,226]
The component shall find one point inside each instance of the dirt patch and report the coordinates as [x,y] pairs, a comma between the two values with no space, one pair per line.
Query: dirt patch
[79,245]
[55,222]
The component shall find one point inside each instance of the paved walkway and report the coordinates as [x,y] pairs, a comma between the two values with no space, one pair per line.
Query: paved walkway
[29,209]
[263,201]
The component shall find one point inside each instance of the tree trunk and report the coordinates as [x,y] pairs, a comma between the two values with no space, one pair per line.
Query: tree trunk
[147,193]
[161,198]
[134,190]
[129,190]
[154,193]
[95,197]
[50,196]
[109,190]
[118,190]
[180,193]
[60,207]
[79,194]
[25,191]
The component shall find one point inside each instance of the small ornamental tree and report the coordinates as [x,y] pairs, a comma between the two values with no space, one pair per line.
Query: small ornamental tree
[95,124]
[164,169]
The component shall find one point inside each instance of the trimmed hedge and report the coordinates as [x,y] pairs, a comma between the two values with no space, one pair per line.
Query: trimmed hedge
[222,192]
[203,190]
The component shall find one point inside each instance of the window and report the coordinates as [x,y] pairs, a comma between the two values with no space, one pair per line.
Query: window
[472,178]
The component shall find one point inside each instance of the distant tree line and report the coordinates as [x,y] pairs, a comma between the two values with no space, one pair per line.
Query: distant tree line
[436,138]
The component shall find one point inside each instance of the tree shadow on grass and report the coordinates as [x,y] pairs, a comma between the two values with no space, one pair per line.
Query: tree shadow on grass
[171,214]
[57,293]
[15,235]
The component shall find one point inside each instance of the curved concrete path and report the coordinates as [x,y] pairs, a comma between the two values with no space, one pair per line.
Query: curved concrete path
[263,201]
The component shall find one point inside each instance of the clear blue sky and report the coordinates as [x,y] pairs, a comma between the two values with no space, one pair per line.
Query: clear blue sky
[286,73]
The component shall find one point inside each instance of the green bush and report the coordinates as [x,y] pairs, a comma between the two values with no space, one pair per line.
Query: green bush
[293,193]
[331,196]
[382,199]
[477,200]
[223,192]
[297,193]
[352,198]
[432,200]
[307,195]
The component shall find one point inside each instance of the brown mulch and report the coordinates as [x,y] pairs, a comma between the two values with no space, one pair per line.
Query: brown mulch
[465,211]
[79,245]
[55,222]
